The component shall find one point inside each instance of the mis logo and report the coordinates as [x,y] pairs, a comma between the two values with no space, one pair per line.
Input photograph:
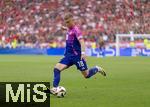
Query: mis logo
[19,94]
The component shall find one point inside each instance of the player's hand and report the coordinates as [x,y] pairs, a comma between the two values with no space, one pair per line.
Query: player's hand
[64,28]
[83,56]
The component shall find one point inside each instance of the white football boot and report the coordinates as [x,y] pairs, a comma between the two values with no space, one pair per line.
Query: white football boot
[101,70]
[53,90]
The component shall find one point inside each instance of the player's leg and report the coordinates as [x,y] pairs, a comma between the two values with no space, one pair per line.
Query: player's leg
[57,70]
[101,51]
[87,73]
[56,79]
[92,71]
[63,64]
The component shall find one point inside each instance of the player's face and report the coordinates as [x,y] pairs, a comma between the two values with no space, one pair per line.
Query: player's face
[69,22]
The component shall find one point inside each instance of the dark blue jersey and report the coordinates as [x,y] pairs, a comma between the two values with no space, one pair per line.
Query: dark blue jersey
[73,46]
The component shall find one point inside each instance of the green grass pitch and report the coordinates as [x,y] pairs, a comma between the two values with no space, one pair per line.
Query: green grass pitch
[127,83]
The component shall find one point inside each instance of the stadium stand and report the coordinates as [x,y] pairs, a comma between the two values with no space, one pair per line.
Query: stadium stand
[37,23]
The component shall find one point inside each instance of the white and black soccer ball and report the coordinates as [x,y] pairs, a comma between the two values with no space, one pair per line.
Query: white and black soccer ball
[61,92]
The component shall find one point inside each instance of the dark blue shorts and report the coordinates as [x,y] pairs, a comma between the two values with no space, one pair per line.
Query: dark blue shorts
[74,60]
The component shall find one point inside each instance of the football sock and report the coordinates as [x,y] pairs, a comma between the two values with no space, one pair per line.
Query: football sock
[92,72]
[56,77]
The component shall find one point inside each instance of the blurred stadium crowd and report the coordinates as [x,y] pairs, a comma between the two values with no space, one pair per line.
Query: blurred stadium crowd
[37,23]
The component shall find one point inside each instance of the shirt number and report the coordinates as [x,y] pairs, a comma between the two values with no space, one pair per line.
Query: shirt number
[80,63]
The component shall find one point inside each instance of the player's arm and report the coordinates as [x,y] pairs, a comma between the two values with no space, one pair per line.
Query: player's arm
[64,28]
[82,43]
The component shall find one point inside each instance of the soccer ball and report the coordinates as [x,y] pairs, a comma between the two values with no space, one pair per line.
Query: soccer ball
[61,92]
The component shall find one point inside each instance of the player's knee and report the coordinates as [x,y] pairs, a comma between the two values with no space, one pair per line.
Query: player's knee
[57,66]
[60,67]
[86,77]
[57,70]
[85,74]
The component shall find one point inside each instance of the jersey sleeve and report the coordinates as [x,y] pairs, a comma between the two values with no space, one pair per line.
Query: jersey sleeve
[78,33]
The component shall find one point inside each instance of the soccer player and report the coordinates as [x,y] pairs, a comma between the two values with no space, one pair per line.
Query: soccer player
[74,54]
[101,46]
